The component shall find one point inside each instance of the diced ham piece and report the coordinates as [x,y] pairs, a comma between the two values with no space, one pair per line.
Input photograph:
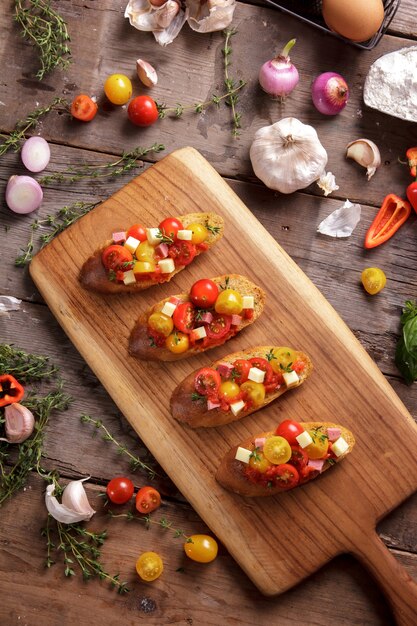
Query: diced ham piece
[212,405]
[225,369]
[162,250]
[207,317]
[316,464]
[333,433]
[259,442]
[236,320]
[119,237]
[174,300]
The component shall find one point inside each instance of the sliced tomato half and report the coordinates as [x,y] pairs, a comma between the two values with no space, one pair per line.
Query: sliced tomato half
[116,257]
[219,326]
[207,382]
[284,476]
[184,317]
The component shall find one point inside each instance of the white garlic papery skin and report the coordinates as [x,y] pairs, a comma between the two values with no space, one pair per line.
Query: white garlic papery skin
[146,73]
[163,19]
[366,153]
[167,13]
[19,423]
[75,506]
[287,155]
[213,15]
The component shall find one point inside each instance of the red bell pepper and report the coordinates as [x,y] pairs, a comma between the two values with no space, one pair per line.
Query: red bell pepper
[392,214]
[10,390]
[411,155]
[412,195]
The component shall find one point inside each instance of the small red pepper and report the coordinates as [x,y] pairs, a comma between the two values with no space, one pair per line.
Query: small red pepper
[411,155]
[10,390]
[412,195]
[392,214]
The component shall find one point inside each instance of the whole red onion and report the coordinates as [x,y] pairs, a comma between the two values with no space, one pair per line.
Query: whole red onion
[278,77]
[330,93]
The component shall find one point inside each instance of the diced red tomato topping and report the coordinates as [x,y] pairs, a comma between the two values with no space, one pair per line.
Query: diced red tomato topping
[182,252]
[298,366]
[248,314]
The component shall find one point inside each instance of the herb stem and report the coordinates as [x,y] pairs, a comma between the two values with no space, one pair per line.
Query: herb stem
[147,520]
[230,83]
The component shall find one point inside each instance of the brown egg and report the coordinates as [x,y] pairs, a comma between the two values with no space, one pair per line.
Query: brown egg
[357,20]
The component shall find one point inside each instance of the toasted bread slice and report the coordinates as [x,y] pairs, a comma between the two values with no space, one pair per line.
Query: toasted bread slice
[141,344]
[186,408]
[231,472]
[94,277]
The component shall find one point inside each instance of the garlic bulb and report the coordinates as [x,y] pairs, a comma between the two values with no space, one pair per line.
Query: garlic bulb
[75,506]
[366,153]
[287,155]
[206,17]
[146,73]
[19,423]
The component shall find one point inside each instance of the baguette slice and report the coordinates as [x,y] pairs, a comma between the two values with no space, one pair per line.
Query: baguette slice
[195,414]
[231,476]
[140,342]
[93,275]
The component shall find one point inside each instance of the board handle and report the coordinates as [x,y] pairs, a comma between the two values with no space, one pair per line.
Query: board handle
[398,586]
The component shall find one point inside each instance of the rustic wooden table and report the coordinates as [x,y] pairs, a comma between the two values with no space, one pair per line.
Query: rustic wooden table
[191,70]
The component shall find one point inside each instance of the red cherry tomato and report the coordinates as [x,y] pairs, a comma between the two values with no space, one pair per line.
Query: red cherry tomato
[219,326]
[147,500]
[142,111]
[284,476]
[83,108]
[241,369]
[289,429]
[138,232]
[182,252]
[207,382]
[264,365]
[170,227]
[120,490]
[184,316]
[299,458]
[115,256]
[204,293]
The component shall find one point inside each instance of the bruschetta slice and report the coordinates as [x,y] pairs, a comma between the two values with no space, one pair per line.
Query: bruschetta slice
[140,257]
[238,384]
[213,311]
[276,461]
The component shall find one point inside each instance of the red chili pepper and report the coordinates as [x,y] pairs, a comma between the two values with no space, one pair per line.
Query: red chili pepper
[392,214]
[10,390]
[412,195]
[411,155]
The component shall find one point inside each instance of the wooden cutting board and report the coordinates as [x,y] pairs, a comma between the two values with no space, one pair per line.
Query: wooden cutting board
[278,541]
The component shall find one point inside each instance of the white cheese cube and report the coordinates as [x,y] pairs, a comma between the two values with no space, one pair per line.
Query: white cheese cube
[291,379]
[248,302]
[304,439]
[167,265]
[340,446]
[236,407]
[168,309]
[243,455]
[153,235]
[129,278]
[199,333]
[131,244]
[185,235]
[256,375]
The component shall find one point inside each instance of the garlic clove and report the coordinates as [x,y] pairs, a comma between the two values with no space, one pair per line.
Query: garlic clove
[75,506]
[75,498]
[146,73]
[342,222]
[19,423]
[167,13]
[366,153]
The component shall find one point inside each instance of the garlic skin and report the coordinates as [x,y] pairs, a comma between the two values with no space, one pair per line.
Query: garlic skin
[342,222]
[366,153]
[146,73]
[327,182]
[213,15]
[163,19]
[19,423]
[75,506]
[287,155]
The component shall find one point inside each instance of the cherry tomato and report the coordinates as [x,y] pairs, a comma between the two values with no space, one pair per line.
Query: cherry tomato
[182,252]
[241,369]
[118,88]
[230,302]
[283,358]
[204,293]
[83,108]
[299,458]
[137,231]
[170,227]
[284,475]
[177,343]
[184,317]
[259,462]
[318,449]
[200,233]
[147,500]
[373,280]
[289,429]
[142,111]
[277,450]
[254,391]
[162,323]
[120,490]
[207,381]
[115,256]
[219,326]
[229,390]
[201,548]
[149,566]
[264,366]
[144,267]
[145,251]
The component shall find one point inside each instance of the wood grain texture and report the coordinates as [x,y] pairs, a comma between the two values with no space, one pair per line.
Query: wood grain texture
[344,508]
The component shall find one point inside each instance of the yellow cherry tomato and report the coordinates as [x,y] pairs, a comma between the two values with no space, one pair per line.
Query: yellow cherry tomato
[373,280]
[317,449]
[149,566]
[201,548]
[229,301]
[259,462]
[200,233]
[283,357]
[255,391]
[161,323]
[143,267]
[177,342]
[118,89]
[229,390]
[145,252]
[277,450]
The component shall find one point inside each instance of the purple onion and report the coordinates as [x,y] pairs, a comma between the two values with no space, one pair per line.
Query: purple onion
[23,194]
[35,154]
[278,77]
[330,93]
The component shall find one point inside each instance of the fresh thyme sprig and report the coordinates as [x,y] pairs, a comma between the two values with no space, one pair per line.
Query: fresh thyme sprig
[30,121]
[148,520]
[135,461]
[231,86]
[25,366]
[47,30]
[56,223]
[127,162]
